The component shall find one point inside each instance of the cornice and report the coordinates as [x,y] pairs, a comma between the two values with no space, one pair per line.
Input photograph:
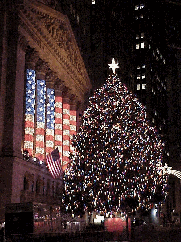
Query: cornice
[50,34]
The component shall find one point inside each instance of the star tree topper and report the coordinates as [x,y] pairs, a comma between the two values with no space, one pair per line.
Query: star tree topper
[113,65]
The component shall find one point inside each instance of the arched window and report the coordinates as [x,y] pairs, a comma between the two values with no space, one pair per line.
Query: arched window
[43,186]
[58,191]
[26,181]
[48,187]
[38,185]
[53,188]
[26,185]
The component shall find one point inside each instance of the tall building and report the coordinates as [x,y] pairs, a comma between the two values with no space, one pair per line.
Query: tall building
[154,75]
[43,85]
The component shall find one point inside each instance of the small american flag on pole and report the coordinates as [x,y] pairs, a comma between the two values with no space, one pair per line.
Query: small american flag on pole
[54,163]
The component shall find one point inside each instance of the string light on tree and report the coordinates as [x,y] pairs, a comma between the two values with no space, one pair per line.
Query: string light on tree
[117,154]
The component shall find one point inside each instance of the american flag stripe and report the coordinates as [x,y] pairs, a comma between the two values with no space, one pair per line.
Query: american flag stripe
[53,166]
[50,131]
[54,163]
[66,132]
[28,145]
[72,125]
[58,123]
[40,117]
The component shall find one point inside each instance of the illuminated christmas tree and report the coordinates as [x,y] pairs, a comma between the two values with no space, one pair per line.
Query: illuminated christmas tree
[117,155]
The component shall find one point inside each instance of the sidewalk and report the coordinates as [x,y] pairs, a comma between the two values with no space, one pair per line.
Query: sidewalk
[156,234]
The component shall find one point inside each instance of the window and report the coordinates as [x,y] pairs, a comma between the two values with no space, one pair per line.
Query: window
[71,9]
[93,2]
[138,67]
[142,45]
[26,183]
[142,35]
[78,19]
[143,66]
[141,16]
[143,86]
[137,36]
[48,188]
[137,46]
[138,87]
[143,77]
[53,189]
[38,186]
[138,77]
[142,6]
[136,7]
[43,186]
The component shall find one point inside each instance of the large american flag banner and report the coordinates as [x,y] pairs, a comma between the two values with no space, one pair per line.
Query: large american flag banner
[50,121]
[54,163]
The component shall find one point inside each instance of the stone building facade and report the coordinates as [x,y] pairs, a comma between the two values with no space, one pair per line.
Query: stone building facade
[36,38]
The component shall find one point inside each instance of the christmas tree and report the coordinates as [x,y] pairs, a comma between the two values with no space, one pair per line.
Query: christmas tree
[117,154]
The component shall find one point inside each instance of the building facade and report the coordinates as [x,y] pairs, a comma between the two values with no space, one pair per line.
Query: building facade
[43,88]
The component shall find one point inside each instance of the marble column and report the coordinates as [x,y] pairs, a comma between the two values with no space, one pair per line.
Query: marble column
[13,115]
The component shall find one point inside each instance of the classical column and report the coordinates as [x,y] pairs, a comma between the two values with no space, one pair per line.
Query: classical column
[3,62]
[29,122]
[41,69]
[13,115]
[66,131]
